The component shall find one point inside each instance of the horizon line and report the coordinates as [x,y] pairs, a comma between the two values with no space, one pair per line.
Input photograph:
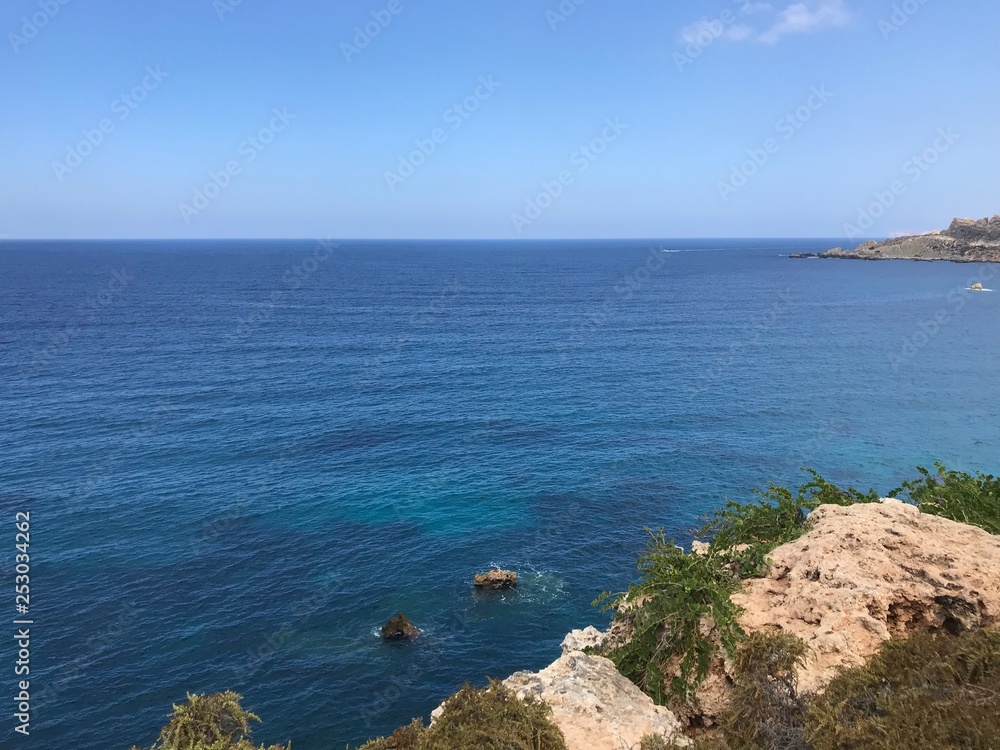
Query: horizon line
[424,239]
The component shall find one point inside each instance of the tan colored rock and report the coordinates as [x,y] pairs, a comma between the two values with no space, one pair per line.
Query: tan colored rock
[594,706]
[578,640]
[867,573]
[976,287]
[496,579]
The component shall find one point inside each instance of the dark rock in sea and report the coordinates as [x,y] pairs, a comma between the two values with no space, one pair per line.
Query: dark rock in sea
[965,241]
[399,628]
[496,579]
[803,255]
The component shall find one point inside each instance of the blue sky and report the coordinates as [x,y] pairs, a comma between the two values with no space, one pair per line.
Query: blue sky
[585,118]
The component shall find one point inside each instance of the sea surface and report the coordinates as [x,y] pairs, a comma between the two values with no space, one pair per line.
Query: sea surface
[240,458]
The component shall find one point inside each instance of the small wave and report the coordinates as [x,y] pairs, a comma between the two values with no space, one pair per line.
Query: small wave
[970,289]
[534,585]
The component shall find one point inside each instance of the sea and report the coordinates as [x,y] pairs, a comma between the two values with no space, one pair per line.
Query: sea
[240,458]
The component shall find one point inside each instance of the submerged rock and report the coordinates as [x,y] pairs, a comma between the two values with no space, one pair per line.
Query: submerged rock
[594,706]
[399,628]
[496,579]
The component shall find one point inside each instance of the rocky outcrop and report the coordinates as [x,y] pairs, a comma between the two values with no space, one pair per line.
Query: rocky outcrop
[866,573]
[594,706]
[399,628]
[579,640]
[965,241]
[496,579]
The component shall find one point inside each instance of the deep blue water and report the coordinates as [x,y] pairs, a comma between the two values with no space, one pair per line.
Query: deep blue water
[240,462]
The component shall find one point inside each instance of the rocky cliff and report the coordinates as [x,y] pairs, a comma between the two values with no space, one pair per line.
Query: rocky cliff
[861,575]
[965,241]
[867,573]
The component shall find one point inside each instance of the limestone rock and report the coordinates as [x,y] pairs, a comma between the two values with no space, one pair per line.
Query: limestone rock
[496,579]
[965,241]
[399,628]
[866,573]
[578,640]
[976,287]
[594,706]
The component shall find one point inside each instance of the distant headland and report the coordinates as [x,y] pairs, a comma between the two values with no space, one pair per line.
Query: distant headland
[965,241]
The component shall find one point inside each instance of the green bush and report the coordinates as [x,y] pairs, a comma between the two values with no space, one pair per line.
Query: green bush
[209,722]
[678,594]
[926,692]
[765,710]
[974,500]
[491,718]
[779,516]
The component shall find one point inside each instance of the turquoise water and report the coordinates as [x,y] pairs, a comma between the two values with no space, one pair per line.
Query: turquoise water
[242,457]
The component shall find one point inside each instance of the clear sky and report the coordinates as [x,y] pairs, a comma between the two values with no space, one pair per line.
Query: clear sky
[585,118]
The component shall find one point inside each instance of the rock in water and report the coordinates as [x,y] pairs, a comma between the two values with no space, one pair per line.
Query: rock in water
[399,628]
[594,706]
[976,287]
[496,579]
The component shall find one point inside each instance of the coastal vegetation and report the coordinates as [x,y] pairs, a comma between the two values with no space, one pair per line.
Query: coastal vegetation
[210,722]
[679,613]
[678,622]
[490,718]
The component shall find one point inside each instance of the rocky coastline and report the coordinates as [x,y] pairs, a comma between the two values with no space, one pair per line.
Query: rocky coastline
[861,575]
[965,241]
[855,612]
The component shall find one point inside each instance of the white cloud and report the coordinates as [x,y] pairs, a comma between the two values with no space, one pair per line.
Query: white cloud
[750,8]
[739,32]
[797,18]
[800,18]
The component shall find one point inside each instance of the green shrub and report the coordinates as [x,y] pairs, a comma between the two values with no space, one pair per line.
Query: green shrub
[765,710]
[404,738]
[209,722]
[680,594]
[974,500]
[779,515]
[492,718]
[925,692]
